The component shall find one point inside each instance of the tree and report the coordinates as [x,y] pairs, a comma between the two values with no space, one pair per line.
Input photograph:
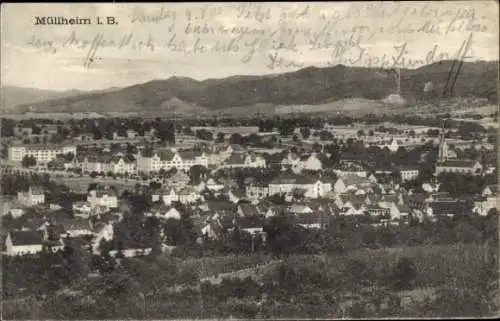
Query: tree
[305,132]
[220,138]
[370,133]
[404,273]
[28,161]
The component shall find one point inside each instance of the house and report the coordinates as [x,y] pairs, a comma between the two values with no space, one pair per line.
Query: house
[393,145]
[298,164]
[314,187]
[220,223]
[178,180]
[132,134]
[391,207]
[349,183]
[312,163]
[160,210]
[442,208]
[131,251]
[34,196]
[291,161]
[300,209]
[431,187]
[102,197]
[316,220]
[185,195]
[236,195]
[239,160]
[76,227]
[256,191]
[459,166]
[247,210]
[250,224]
[24,242]
[378,211]
[82,207]
[408,173]
[490,190]
[234,148]
[213,185]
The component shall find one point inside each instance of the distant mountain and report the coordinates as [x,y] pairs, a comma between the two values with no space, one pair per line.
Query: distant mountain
[12,96]
[308,86]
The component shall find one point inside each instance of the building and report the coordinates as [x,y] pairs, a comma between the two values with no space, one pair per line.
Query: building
[459,166]
[43,153]
[408,173]
[32,197]
[314,188]
[238,160]
[185,195]
[166,159]
[256,192]
[102,197]
[106,163]
[24,242]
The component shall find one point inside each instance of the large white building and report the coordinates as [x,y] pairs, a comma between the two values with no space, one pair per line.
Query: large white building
[23,243]
[166,159]
[42,153]
[114,164]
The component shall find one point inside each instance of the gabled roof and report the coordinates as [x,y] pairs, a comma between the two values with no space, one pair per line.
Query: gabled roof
[165,154]
[26,237]
[248,209]
[391,198]
[443,208]
[235,159]
[100,192]
[311,218]
[75,224]
[216,206]
[254,221]
[350,180]
[236,147]
[493,188]
[294,179]
[458,163]
[238,193]
[190,155]
[35,190]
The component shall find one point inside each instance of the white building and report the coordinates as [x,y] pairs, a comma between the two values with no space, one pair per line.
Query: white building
[312,188]
[102,197]
[24,242]
[32,197]
[409,173]
[153,161]
[237,160]
[114,164]
[42,153]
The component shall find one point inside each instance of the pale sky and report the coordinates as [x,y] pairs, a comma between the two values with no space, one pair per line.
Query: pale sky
[53,57]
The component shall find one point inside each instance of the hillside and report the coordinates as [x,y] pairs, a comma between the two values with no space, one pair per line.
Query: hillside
[308,86]
[12,96]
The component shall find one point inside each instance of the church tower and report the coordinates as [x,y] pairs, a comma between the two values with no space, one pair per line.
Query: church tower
[443,147]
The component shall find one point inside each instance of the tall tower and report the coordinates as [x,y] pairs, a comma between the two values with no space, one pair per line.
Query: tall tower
[443,147]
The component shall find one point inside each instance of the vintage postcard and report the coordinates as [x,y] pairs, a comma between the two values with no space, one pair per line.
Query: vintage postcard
[244,160]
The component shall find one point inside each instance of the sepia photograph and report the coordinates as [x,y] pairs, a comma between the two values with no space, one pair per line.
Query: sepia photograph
[249,161]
